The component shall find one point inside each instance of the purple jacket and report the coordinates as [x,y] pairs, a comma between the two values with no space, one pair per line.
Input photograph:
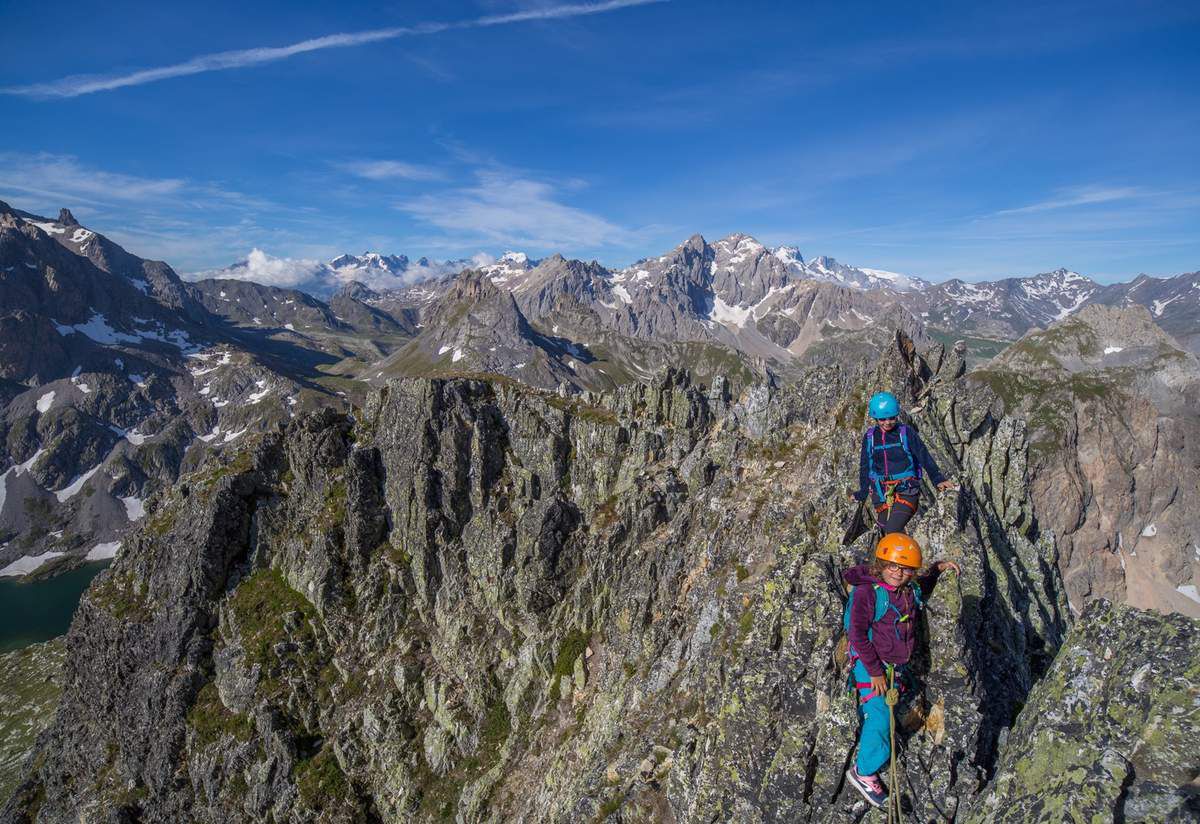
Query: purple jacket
[892,640]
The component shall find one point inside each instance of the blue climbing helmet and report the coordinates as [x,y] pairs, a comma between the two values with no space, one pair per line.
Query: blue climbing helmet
[883,405]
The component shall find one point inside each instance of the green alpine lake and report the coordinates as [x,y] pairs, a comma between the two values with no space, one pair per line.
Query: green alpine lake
[40,610]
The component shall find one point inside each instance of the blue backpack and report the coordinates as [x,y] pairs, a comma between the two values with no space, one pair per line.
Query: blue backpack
[883,603]
[878,479]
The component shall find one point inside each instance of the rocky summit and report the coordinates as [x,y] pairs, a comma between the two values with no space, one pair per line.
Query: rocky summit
[476,601]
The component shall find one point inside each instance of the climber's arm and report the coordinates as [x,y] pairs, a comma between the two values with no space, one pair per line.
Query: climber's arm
[929,580]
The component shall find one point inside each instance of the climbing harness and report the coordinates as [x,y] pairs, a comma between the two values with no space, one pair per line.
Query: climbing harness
[890,499]
[886,483]
[913,471]
[893,797]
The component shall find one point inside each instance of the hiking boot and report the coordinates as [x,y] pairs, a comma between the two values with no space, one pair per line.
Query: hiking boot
[870,786]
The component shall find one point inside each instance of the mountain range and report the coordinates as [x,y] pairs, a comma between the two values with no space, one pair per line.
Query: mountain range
[118,376]
[540,540]
[749,296]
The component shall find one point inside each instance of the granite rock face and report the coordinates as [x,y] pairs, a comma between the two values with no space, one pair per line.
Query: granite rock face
[1110,732]
[479,602]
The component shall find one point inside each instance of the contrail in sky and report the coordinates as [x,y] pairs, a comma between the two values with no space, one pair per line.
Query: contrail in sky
[88,84]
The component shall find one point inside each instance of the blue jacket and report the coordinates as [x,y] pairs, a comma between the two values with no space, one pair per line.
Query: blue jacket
[897,460]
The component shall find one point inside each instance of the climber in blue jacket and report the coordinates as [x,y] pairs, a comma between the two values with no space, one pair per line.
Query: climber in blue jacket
[890,464]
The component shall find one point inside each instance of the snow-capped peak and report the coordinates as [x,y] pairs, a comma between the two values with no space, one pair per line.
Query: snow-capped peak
[66,230]
[394,264]
[741,242]
[789,255]
[827,268]
[508,269]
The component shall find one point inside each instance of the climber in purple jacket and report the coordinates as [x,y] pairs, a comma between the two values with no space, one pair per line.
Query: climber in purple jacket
[880,622]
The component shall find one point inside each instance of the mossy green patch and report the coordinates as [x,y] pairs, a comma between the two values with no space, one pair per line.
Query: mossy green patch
[578,409]
[265,611]
[1048,400]
[160,523]
[497,724]
[212,721]
[207,479]
[979,349]
[122,597]
[573,645]
[30,681]
[440,793]
[745,623]
[608,808]
[320,782]
[333,509]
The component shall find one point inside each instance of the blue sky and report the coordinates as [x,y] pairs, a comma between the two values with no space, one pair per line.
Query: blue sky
[932,139]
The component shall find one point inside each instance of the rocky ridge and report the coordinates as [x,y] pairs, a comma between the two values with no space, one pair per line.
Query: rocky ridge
[1174,303]
[770,303]
[486,603]
[114,379]
[1111,399]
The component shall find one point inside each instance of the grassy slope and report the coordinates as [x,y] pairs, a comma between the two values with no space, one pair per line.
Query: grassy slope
[30,684]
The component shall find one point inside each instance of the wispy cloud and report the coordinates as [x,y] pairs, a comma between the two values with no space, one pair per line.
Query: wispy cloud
[390,170]
[65,179]
[1085,196]
[220,61]
[504,207]
[53,180]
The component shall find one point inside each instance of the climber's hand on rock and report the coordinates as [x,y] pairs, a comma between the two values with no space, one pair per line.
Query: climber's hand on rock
[944,485]
[878,684]
[942,566]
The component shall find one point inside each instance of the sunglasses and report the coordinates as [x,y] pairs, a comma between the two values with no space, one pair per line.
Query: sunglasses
[886,420]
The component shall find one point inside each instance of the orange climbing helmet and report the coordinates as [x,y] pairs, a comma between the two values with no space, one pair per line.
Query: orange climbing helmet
[899,549]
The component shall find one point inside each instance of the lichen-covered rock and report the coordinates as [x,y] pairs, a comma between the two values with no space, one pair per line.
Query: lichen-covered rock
[480,602]
[1110,733]
[30,681]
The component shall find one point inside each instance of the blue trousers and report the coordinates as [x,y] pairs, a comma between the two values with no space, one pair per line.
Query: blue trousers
[874,740]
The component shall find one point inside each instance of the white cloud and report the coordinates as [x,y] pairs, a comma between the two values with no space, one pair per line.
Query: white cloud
[1084,196]
[88,84]
[318,277]
[515,211]
[381,279]
[56,180]
[391,170]
[270,271]
[64,178]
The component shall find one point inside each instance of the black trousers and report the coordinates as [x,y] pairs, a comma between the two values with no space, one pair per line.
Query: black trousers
[904,506]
